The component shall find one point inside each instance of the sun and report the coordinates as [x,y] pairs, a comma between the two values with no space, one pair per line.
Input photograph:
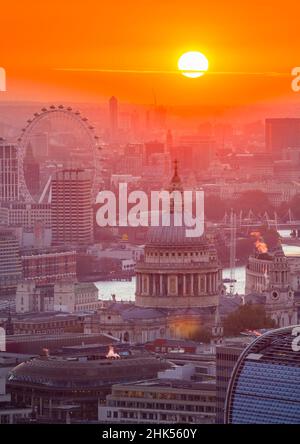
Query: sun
[193,64]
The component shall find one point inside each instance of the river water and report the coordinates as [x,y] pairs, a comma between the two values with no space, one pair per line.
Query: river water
[124,290]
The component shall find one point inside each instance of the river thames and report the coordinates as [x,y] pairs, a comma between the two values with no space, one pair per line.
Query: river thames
[124,290]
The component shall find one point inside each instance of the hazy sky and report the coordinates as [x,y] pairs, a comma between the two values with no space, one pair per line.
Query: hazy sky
[257,37]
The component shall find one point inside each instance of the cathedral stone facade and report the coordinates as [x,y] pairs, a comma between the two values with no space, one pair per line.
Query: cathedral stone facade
[280,304]
[178,283]
[177,271]
[269,281]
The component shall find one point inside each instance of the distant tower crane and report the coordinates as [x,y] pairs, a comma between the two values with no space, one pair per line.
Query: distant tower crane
[232,251]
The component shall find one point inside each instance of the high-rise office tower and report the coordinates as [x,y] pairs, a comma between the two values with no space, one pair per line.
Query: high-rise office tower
[281,134]
[9,177]
[113,117]
[10,263]
[71,211]
[31,171]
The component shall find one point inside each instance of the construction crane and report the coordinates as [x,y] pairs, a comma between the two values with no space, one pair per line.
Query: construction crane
[232,251]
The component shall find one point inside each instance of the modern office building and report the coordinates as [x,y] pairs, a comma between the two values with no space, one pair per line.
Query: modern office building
[160,401]
[264,387]
[66,389]
[72,220]
[10,263]
[226,358]
[281,134]
[27,215]
[9,173]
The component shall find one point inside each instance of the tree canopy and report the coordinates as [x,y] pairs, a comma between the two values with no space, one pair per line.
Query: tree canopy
[255,200]
[247,317]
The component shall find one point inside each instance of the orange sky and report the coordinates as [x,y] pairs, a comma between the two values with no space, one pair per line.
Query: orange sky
[38,36]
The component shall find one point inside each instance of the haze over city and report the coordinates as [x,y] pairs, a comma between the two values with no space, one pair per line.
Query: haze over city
[149,216]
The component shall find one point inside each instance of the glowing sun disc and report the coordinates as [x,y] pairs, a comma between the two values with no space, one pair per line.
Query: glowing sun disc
[193,64]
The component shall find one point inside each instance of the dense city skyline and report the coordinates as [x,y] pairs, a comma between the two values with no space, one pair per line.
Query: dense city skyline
[149,216]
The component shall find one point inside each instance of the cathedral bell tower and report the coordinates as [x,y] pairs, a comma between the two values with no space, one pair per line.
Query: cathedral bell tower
[280,304]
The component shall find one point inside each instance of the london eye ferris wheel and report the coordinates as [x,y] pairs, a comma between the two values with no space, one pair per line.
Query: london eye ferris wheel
[55,138]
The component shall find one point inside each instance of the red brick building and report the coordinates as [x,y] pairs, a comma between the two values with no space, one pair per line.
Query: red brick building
[49,266]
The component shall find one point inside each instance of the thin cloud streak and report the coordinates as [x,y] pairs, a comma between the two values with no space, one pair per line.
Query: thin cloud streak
[177,72]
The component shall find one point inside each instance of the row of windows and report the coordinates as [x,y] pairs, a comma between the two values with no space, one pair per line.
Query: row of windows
[161,406]
[201,253]
[267,393]
[162,395]
[154,416]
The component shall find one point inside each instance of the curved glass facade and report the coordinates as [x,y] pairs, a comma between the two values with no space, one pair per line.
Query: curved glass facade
[265,383]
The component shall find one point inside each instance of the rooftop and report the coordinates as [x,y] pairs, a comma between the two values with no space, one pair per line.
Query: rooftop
[170,236]
[171,384]
[70,373]
[275,347]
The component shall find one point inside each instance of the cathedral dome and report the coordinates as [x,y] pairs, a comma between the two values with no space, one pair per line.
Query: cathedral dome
[173,236]
[178,271]
[168,233]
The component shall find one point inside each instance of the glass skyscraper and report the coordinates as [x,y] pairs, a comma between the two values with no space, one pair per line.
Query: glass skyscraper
[265,384]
